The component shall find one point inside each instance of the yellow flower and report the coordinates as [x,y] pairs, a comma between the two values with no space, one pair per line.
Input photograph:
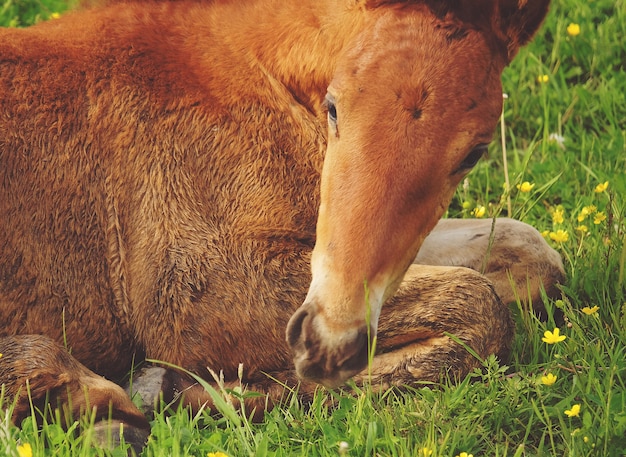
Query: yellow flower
[24,450]
[216,454]
[560,236]
[573,29]
[582,228]
[525,186]
[599,218]
[543,79]
[586,211]
[552,337]
[601,187]
[545,233]
[548,379]
[583,214]
[426,451]
[589,311]
[464,454]
[479,211]
[557,215]
[55,16]
[574,412]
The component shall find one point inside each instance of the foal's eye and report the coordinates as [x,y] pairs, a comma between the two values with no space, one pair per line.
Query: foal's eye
[473,157]
[332,111]
[329,102]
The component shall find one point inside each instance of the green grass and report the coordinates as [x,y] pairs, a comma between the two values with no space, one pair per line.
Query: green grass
[500,411]
[21,13]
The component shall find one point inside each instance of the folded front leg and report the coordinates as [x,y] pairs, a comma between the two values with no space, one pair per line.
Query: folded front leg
[434,302]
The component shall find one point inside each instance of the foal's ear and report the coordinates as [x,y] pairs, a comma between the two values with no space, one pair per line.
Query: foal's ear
[517,21]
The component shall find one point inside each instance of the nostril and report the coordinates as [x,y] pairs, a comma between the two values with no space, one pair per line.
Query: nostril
[294,327]
[357,354]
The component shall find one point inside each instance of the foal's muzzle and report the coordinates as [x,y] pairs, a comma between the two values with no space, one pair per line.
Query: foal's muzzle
[328,357]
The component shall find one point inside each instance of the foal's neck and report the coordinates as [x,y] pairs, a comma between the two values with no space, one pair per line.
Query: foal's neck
[296,42]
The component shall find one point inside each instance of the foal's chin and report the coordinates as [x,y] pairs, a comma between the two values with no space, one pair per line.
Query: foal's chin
[322,356]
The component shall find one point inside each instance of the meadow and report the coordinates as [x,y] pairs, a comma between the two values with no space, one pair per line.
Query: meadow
[563,132]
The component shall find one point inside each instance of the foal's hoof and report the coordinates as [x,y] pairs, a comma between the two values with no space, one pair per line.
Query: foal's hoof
[110,434]
[148,384]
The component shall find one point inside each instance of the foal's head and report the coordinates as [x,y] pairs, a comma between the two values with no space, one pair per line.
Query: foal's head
[411,108]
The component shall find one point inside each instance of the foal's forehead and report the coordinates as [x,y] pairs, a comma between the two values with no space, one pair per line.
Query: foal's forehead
[403,51]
